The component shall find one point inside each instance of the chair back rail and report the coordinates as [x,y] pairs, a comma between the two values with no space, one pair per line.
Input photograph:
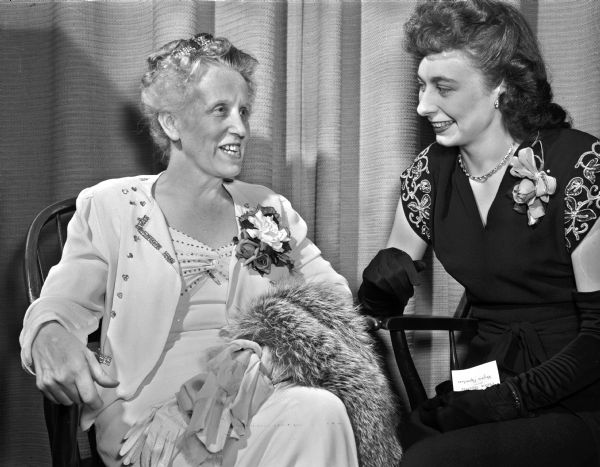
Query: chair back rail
[62,421]
[35,270]
[397,327]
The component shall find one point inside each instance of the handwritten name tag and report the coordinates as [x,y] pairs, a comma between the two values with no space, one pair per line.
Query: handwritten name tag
[478,377]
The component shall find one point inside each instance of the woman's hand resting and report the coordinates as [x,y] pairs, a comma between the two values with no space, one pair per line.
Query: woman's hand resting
[66,369]
[450,410]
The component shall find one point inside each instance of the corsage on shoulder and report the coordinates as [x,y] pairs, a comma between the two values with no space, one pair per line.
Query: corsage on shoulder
[532,193]
[262,241]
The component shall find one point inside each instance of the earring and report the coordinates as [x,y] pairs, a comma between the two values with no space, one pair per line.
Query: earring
[496,104]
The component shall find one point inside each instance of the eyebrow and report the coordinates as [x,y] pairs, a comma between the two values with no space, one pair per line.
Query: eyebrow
[438,79]
[226,101]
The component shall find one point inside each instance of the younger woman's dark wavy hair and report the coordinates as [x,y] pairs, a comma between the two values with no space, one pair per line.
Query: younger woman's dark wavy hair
[501,44]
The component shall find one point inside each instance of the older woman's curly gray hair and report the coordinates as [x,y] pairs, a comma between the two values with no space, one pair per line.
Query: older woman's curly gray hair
[167,86]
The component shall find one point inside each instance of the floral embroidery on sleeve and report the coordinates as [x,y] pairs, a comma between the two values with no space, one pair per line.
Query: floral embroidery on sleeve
[415,186]
[582,197]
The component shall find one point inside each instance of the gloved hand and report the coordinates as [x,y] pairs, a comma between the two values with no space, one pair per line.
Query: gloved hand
[459,409]
[388,282]
[575,367]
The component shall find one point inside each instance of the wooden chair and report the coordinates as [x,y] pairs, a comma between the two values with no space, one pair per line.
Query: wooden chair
[397,327]
[43,247]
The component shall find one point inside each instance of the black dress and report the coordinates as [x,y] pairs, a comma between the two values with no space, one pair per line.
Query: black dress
[518,277]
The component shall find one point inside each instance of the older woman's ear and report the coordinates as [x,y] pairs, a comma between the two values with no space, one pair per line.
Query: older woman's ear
[168,123]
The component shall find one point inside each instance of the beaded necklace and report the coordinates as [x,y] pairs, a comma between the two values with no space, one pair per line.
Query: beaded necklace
[485,176]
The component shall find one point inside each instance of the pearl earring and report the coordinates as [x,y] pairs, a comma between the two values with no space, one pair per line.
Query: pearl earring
[496,104]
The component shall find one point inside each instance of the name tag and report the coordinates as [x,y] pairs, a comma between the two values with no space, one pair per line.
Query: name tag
[478,377]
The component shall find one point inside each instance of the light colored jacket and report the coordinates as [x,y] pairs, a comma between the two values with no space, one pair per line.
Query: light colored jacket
[119,265]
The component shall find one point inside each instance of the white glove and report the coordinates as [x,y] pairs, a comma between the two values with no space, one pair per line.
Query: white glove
[152,442]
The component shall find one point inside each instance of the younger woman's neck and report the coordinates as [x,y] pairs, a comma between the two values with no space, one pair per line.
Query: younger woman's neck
[486,153]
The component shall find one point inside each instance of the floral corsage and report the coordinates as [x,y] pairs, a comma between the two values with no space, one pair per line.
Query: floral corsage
[263,243]
[532,193]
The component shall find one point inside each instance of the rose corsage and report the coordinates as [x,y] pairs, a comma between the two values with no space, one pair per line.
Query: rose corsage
[532,193]
[263,243]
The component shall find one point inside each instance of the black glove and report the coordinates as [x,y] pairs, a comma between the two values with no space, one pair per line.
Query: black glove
[453,410]
[388,282]
[573,368]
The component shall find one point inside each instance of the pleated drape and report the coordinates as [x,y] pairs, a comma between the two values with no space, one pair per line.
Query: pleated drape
[334,125]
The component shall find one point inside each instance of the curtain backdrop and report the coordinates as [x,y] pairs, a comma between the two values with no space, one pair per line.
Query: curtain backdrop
[334,125]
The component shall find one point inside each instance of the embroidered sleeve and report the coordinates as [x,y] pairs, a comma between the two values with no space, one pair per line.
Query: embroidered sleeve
[582,197]
[416,195]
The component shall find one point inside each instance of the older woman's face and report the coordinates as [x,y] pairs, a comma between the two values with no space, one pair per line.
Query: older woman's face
[214,128]
[455,99]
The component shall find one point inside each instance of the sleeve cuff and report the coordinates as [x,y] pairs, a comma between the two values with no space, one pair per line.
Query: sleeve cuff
[42,311]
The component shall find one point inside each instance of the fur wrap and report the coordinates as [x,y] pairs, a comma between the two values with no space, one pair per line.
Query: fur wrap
[318,339]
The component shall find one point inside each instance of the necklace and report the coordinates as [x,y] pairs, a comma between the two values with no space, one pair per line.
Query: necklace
[485,176]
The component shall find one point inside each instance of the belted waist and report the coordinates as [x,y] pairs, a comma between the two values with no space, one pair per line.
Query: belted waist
[532,313]
[520,337]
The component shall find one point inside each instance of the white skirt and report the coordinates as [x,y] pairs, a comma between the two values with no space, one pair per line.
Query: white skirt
[295,427]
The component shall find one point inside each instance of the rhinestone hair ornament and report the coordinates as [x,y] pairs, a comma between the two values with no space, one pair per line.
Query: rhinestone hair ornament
[202,44]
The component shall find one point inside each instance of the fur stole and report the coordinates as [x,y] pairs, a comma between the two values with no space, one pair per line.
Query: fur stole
[318,339]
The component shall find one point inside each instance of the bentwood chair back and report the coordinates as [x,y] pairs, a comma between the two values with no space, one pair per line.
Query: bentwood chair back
[43,247]
[397,327]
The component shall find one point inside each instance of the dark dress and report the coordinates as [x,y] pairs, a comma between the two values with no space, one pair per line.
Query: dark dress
[518,278]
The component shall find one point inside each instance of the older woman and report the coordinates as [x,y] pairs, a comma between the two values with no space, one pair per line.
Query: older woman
[508,197]
[166,261]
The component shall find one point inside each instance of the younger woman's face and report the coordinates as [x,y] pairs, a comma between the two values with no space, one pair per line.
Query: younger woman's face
[455,99]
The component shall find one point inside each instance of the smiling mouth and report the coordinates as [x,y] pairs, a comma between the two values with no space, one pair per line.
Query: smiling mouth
[233,150]
[439,127]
